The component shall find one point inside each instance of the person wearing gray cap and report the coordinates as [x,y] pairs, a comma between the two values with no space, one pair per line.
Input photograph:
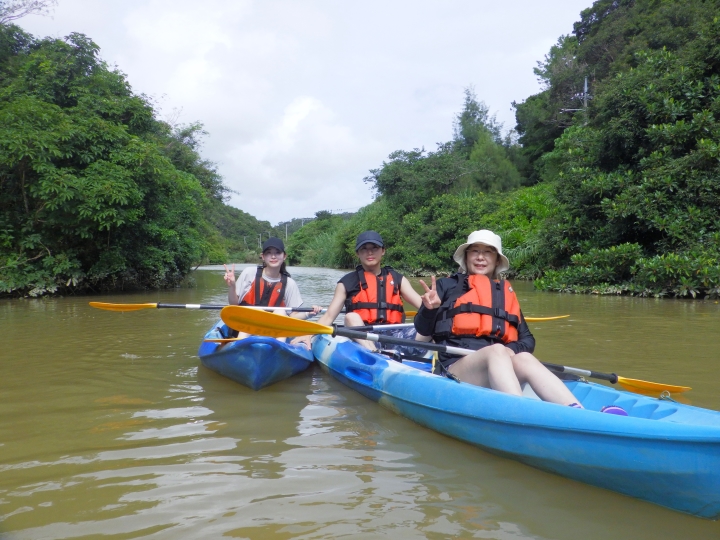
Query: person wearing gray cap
[475,309]
[268,284]
[371,294]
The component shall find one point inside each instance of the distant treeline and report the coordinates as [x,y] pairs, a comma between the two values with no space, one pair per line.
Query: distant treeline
[614,190]
[97,193]
[611,191]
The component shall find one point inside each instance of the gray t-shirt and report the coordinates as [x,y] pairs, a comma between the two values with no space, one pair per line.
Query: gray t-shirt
[244,282]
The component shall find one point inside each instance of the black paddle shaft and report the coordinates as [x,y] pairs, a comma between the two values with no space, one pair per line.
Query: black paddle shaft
[219,306]
[354,334]
[610,377]
[191,306]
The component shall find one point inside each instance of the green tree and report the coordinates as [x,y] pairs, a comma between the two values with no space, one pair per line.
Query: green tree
[644,173]
[96,193]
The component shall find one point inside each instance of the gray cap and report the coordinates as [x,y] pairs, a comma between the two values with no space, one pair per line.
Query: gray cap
[368,237]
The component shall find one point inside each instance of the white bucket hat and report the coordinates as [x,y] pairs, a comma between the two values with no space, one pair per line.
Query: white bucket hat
[487,238]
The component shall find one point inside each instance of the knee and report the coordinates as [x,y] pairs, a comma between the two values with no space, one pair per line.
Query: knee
[497,354]
[353,319]
[497,350]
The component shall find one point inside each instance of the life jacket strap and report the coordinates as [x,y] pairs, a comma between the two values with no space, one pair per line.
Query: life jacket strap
[375,305]
[496,312]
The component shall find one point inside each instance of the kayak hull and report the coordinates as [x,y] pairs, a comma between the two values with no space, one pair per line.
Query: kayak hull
[663,452]
[256,361]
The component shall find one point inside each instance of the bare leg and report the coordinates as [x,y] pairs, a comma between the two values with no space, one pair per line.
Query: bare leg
[353,319]
[490,367]
[546,385]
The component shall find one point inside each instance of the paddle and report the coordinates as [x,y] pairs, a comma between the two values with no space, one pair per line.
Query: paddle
[364,328]
[540,319]
[268,324]
[136,307]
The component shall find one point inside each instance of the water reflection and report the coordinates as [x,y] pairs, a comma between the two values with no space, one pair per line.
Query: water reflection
[109,426]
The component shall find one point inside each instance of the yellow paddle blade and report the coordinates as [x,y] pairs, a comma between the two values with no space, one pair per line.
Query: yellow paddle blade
[262,323]
[538,319]
[650,388]
[121,307]
[410,313]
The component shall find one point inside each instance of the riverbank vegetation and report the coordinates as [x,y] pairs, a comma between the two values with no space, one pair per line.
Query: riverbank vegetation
[97,192]
[608,184]
[611,191]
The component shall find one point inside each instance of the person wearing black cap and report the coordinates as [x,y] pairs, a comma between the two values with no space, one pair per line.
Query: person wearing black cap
[371,294]
[269,284]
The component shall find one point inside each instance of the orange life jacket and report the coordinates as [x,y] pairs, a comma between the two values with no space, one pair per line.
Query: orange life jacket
[375,298]
[478,307]
[264,293]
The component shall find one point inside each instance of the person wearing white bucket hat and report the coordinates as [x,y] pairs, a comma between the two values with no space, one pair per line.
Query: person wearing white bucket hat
[474,309]
[486,238]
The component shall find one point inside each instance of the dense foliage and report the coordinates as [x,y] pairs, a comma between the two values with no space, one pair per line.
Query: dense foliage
[96,193]
[625,178]
[638,183]
[430,201]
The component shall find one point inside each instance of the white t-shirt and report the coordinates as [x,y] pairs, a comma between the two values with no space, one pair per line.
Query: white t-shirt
[244,282]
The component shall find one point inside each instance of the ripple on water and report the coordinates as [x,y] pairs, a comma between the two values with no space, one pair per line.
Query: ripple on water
[108,427]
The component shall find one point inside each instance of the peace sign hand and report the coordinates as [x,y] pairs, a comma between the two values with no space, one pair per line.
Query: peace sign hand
[430,299]
[229,275]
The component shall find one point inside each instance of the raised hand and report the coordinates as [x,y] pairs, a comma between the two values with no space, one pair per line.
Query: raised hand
[430,299]
[229,275]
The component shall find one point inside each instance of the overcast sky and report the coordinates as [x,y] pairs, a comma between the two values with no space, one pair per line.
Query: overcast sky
[302,97]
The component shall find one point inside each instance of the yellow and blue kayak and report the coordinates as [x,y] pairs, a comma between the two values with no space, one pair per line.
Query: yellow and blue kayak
[256,361]
[662,452]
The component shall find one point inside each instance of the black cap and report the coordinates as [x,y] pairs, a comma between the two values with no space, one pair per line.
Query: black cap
[273,242]
[368,237]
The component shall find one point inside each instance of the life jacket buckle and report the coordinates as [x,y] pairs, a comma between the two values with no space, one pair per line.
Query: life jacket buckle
[500,313]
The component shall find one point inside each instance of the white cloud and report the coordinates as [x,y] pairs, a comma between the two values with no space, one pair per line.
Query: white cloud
[301,99]
[303,162]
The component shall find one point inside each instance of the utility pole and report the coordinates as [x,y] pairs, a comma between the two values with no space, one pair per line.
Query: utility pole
[286,231]
[585,103]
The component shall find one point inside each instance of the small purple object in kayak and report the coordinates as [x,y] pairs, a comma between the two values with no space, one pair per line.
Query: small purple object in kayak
[614,409]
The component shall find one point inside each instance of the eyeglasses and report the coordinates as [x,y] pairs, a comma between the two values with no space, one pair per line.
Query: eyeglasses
[485,252]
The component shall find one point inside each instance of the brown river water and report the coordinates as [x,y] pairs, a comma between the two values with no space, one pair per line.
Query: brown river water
[110,428]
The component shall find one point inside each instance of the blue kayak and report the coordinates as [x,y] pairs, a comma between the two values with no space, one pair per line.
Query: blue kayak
[663,452]
[255,362]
